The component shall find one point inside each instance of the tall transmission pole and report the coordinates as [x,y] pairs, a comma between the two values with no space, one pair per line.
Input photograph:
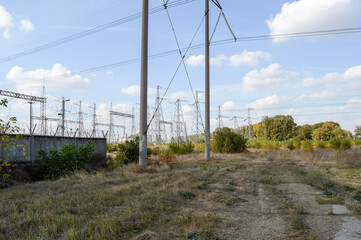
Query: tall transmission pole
[206,88]
[80,120]
[31,118]
[250,132]
[43,125]
[197,116]
[133,131]
[160,133]
[63,116]
[144,88]
[110,135]
[219,119]
[180,125]
[94,131]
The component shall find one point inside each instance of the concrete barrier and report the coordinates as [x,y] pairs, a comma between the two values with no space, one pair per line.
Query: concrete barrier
[34,143]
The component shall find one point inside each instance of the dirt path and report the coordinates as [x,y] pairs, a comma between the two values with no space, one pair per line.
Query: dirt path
[277,205]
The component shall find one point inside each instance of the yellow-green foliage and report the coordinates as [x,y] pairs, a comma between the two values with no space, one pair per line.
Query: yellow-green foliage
[8,144]
[307,146]
[227,141]
[199,148]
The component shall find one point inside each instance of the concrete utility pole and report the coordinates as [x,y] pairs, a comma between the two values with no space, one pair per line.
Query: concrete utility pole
[63,116]
[206,89]
[144,88]
[31,118]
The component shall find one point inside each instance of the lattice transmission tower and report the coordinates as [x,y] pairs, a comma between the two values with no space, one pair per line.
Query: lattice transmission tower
[180,128]
[197,123]
[159,126]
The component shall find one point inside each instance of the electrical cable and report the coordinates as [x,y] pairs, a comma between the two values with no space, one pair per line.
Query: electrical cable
[91,31]
[180,63]
[201,45]
[182,59]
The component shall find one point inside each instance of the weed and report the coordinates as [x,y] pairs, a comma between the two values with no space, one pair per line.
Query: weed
[187,195]
[357,196]
[201,236]
[307,146]
[229,189]
[348,188]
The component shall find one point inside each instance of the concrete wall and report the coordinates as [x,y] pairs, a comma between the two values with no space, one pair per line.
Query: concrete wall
[35,143]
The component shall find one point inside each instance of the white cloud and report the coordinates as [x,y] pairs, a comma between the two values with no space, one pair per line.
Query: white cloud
[195,60]
[135,90]
[325,95]
[271,102]
[183,95]
[59,78]
[218,61]
[229,106]
[26,25]
[248,58]
[349,80]
[266,79]
[6,22]
[313,15]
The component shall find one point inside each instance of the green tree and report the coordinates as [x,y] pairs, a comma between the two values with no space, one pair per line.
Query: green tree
[304,132]
[7,143]
[279,128]
[328,130]
[227,141]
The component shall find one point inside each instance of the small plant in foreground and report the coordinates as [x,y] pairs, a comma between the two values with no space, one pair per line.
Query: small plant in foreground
[57,163]
[168,158]
[118,162]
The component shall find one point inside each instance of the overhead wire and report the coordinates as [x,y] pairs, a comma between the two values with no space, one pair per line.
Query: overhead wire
[182,59]
[94,30]
[180,63]
[201,45]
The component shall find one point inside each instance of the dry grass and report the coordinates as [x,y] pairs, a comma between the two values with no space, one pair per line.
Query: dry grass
[194,199]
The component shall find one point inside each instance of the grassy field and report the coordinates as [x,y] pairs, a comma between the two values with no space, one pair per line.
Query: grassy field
[236,196]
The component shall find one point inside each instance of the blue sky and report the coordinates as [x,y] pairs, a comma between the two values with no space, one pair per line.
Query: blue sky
[313,78]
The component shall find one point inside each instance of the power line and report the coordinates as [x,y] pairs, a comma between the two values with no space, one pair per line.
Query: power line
[91,31]
[201,45]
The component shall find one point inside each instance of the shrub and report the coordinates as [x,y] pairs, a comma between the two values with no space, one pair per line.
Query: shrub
[321,144]
[289,145]
[297,143]
[307,146]
[181,148]
[118,162]
[346,144]
[57,163]
[111,147]
[131,150]
[168,158]
[341,144]
[227,141]
[199,148]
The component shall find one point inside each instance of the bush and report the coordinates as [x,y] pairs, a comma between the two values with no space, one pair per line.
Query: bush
[307,146]
[182,148]
[111,147]
[227,141]
[289,145]
[57,163]
[168,158]
[341,144]
[131,150]
[321,144]
[118,162]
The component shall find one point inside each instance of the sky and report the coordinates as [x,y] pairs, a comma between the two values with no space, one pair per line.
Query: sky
[312,78]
